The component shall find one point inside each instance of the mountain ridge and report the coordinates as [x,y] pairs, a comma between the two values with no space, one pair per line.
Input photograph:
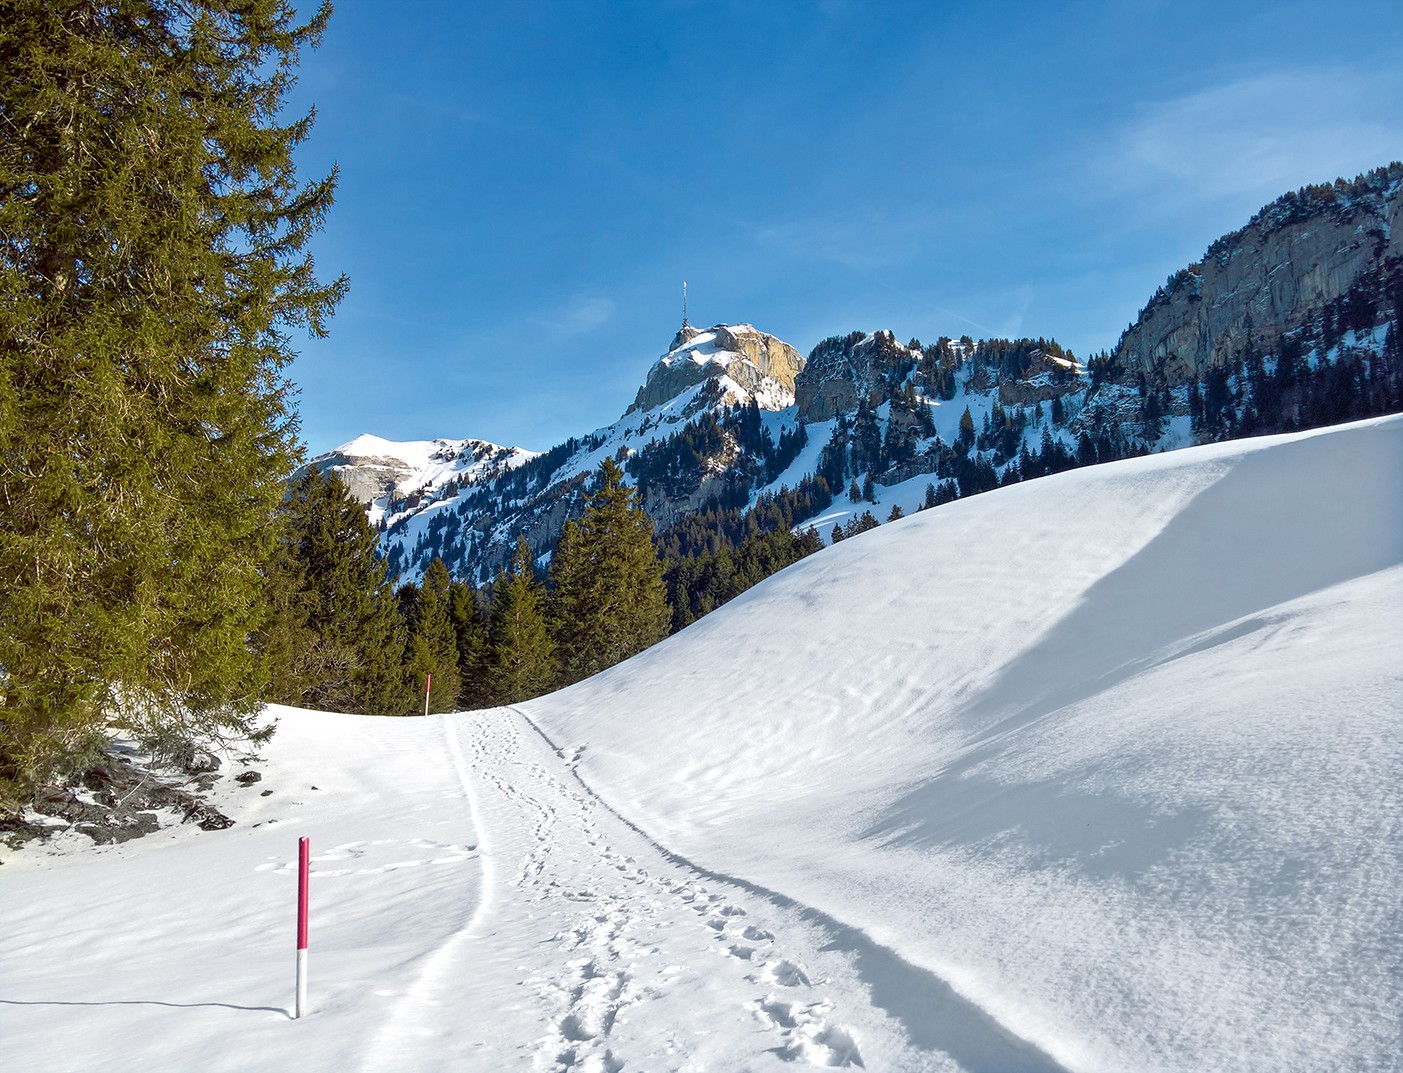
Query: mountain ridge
[732,419]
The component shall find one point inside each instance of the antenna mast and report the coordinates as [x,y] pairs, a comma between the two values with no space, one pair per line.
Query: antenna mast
[684,304]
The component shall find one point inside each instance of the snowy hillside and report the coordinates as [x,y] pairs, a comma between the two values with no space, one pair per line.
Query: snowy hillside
[1093,773]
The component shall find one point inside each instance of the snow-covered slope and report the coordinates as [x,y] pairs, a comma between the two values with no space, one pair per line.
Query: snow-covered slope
[1114,753]
[393,478]
[1099,772]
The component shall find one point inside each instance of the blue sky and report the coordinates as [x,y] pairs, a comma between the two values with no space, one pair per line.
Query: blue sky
[525,186]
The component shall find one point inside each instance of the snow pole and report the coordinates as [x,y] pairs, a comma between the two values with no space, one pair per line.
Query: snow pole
[428,682]
[304,864]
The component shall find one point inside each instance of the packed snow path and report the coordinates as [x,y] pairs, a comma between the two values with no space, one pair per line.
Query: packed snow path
[607,953]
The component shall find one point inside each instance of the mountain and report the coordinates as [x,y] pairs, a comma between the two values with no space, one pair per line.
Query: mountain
[743,363]
[396,477]
[1291,322]
[1323,251]
[467,501]
[1094,773]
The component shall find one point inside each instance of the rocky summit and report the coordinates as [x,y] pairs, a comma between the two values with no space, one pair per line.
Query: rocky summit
[743,361]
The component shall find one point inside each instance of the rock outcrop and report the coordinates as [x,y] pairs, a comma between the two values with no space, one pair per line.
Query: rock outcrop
[373,469]
[1297,256]
[844,370]
[761,366]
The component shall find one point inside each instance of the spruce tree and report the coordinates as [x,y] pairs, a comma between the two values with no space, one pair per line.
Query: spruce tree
[153,262]
[471,632]
[337,640]
[608,598]
[433,642]
[521,655]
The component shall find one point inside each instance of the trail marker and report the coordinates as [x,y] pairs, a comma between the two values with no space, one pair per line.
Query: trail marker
[428,682]
[304,863]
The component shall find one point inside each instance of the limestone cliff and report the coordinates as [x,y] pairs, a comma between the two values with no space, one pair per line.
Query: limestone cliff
[1297,256]
[759,365]
[847,369]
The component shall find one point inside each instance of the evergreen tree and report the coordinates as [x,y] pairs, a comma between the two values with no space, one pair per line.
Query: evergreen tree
[521,655]
[608,599]
[433,642]
[336,641]
[471,632]
[966,436]
[152,266]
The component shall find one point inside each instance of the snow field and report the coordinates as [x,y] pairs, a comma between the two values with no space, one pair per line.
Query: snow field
[1099,772]
[1113,754]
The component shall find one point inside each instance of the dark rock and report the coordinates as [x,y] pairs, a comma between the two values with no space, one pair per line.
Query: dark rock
[207,817]
[266,793]
[248,778]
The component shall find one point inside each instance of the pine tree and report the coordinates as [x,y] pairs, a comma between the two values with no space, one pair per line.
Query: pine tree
[433,642]
[337,640]
[152,265]
[521,656]
[608,598]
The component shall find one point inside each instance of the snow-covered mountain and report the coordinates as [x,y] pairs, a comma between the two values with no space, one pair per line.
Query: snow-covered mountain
[394,478]
[467,501]
[1291,322]
[1094,773]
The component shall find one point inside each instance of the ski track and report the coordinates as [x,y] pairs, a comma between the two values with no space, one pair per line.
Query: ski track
[420,1011]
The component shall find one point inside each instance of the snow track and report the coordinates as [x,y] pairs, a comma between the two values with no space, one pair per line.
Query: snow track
[609,953]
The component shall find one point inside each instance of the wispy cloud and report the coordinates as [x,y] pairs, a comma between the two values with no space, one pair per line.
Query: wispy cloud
[1263,133]
[579,314]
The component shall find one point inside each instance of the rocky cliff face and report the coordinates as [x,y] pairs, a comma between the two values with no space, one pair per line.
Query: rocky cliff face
[843,371]
[756,363]
[1297,256]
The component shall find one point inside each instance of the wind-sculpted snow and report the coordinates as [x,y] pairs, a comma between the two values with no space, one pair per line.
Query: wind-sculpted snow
[1114,753]
[1095,773]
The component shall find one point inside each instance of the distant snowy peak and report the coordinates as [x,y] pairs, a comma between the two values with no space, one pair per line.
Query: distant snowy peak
[384,474]
[744,362]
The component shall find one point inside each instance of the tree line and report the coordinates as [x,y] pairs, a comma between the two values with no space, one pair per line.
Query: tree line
[343,637]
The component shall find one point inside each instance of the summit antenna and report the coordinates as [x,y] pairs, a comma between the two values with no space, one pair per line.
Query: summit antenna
[684,305]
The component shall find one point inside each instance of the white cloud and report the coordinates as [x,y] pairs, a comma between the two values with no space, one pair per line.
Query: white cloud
[1265,133]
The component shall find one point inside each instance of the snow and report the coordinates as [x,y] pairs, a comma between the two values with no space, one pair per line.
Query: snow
[1095,772]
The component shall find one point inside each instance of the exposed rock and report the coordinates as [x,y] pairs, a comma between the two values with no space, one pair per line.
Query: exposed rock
[762,366]
[843,371]
[373,469]
[1293,259]
[1048,378]
[113,802]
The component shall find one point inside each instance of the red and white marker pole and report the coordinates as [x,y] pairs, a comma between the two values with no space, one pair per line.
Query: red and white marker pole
[304,864]
[428,683]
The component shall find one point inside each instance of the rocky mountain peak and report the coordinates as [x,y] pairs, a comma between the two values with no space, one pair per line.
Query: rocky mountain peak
[744,362]
[1296,258]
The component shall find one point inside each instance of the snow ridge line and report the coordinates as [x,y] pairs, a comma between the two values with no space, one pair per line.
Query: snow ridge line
[934,1015]
[484,846]
[417,1004]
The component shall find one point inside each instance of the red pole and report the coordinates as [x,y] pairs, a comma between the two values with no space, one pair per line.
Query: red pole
[428,682]
[304,865]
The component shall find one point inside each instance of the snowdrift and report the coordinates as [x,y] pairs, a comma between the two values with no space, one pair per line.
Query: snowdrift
[1115,753]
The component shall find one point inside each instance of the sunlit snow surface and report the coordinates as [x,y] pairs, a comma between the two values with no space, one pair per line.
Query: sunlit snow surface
[1096,772]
